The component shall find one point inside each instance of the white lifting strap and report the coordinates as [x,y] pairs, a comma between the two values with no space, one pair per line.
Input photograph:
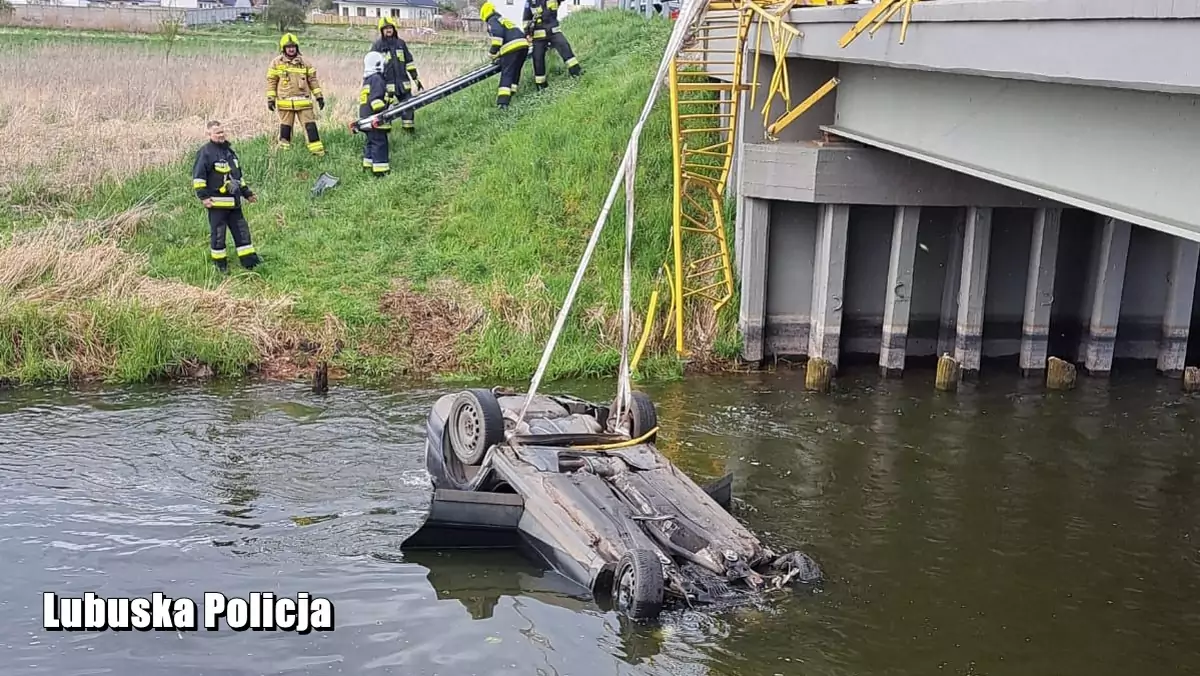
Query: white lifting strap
[687,16]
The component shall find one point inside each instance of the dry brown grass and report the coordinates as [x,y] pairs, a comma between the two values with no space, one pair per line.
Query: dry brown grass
[66,262]
[59,266]
[135,108]
[426,326]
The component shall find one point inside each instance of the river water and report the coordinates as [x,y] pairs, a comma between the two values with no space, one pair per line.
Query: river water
[1002,530]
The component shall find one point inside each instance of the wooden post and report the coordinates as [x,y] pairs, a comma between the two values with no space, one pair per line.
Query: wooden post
[947,373]
[1191,379]
[320,380]
[818,374]
[1060,374]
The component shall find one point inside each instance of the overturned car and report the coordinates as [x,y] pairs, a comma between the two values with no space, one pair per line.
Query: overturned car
[591,496]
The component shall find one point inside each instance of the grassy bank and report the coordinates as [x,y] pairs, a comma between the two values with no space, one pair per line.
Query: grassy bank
[145,101]
[456,264]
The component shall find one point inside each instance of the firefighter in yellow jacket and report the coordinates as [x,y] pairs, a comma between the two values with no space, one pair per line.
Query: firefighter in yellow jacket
[292,85]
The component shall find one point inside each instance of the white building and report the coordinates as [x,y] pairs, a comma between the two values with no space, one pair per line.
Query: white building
[52,3]
[218,4]
[424,10]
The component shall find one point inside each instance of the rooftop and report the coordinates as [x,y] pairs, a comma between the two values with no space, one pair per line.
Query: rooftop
[431,4]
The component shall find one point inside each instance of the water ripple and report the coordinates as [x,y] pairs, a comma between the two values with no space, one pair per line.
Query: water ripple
[981,533]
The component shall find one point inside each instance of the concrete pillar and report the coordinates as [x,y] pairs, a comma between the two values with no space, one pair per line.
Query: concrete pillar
[949,311]
[1039,291]
[829,268]
[968,331]
[752,316]
[1107,284]
[899,291]
[1177,318]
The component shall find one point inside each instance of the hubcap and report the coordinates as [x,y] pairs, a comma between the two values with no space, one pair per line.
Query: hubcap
[468,426]
[625,588]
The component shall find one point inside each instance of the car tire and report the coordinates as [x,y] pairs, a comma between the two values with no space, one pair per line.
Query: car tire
[638,585]
[476,424]
[645,417]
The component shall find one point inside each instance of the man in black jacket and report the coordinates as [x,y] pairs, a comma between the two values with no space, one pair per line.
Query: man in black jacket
[217,180]
[541,24]
[399,70]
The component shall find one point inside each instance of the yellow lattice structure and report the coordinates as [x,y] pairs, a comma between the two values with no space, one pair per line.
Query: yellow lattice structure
[704,119]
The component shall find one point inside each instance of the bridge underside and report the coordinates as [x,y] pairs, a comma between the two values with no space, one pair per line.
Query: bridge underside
[1126,154]
[1008,183]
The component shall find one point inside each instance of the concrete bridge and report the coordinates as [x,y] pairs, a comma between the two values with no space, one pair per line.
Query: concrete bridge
[1019,179]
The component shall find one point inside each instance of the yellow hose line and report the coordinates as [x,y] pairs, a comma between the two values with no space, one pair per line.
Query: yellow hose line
[618,444]
[646,326]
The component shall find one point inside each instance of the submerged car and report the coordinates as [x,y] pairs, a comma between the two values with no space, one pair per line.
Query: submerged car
[593,497]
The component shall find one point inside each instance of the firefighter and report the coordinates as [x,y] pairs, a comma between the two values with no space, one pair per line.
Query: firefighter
[292,85]
[541,24]
[372,98]
[220,187]
[510,46]
[399,71]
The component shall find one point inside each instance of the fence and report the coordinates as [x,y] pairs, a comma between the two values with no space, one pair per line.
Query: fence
[132,19]
[440,24]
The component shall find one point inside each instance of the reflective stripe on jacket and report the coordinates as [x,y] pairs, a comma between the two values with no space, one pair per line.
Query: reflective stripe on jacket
[506,37]
[541,18]
[292,80]
[217,174]
[398,65]
[372,98]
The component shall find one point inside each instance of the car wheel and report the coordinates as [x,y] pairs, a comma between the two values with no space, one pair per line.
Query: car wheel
[645,417]
[638,584]
[476,424]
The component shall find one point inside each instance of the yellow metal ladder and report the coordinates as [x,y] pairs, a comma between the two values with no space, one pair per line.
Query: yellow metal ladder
[706,82]
[704,112]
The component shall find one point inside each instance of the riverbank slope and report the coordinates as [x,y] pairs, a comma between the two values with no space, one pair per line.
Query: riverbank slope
[455,265]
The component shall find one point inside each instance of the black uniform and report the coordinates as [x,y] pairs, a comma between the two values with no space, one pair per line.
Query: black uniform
[217,175]
[398,68]
[541,23]
[510,45]
[372,99]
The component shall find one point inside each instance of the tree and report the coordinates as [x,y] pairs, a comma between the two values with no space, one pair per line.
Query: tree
[284,14]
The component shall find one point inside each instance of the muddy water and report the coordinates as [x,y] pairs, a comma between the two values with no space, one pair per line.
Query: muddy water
[999,531]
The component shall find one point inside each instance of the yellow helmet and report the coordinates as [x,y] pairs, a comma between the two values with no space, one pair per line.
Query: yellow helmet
[486,10]
[288,39]
[387,21]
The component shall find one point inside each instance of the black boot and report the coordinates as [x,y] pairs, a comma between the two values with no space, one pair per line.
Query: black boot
[222,265]
[249,261]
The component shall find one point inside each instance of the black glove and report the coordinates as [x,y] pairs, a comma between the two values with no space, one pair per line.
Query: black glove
[270,104]
[420,86]
[321,102]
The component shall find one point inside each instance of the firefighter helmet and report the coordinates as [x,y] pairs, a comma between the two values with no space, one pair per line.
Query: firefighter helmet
[372,63]
[486,10]
[288,39]
[387,21]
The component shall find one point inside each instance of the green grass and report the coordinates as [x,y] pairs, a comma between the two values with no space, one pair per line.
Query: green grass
[487,198]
